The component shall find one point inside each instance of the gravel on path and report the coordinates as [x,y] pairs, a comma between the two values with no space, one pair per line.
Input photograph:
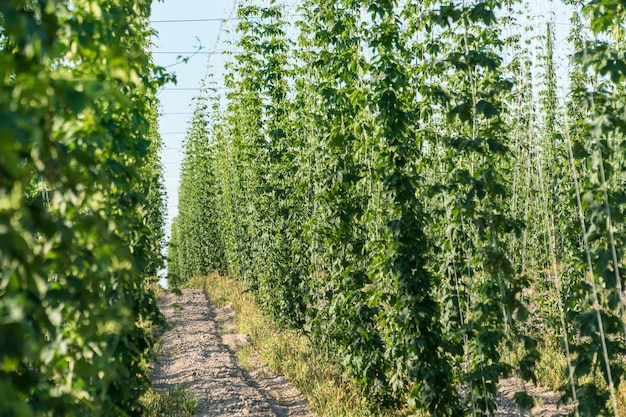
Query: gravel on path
[196,357]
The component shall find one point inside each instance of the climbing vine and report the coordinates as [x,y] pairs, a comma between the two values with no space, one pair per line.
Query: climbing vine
[599,317]
[78,241]
[407,184]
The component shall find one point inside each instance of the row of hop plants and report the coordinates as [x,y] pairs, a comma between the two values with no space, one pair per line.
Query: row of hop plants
[402,184]
[81,206]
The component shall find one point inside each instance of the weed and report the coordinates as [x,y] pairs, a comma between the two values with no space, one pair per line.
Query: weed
[551,368]
[175,402]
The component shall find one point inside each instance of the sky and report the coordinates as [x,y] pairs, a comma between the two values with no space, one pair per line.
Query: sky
[185,26]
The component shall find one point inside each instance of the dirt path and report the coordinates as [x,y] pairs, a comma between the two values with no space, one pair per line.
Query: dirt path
[546,401]
[199,353]
[198,357]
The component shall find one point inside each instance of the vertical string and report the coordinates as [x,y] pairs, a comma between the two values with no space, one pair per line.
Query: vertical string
[473,134]
[592,281]
[556,278]
[613,244]
[472,78]
[613,253]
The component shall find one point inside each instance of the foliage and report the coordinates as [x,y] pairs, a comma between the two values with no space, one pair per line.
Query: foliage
[598,317]
[194,250]
[405,187]
[78,242]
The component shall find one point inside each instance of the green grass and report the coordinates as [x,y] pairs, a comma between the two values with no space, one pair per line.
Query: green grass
[175,402]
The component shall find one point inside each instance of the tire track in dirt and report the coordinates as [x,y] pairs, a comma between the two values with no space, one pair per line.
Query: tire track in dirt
[196,357]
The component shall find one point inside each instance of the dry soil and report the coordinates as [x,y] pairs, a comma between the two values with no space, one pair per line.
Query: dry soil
[199,354]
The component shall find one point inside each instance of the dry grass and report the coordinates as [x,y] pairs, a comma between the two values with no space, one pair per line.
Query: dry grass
[552,373]
[621,398]
[552,366]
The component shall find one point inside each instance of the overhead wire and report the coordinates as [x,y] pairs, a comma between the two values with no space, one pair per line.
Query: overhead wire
[210,19]
[209,54]
[219,37]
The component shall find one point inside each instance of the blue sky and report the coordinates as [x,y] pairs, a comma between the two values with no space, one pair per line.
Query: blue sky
[179,34]
[184,25]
